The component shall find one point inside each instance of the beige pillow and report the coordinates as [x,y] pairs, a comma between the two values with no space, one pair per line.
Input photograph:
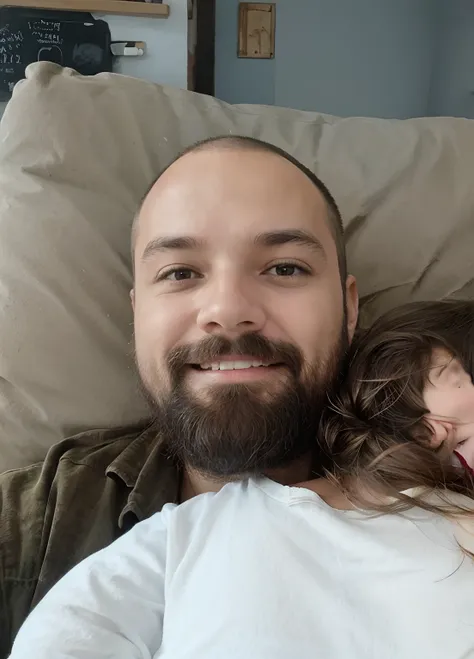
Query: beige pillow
[76,155]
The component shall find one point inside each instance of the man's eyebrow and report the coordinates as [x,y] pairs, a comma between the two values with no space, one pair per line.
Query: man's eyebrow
[285,236]
[166,243]
[267,239]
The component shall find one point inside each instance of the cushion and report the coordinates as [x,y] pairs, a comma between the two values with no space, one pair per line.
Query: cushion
[77,154]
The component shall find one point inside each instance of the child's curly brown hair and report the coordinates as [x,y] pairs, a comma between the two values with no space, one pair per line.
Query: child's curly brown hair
[375,432]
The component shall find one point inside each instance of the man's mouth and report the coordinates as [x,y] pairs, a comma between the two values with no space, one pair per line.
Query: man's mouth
[233,365]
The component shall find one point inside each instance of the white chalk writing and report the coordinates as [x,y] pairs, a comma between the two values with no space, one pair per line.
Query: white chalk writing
[45,26]
[44,37]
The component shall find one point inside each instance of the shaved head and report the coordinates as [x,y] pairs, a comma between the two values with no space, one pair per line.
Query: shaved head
[243,143]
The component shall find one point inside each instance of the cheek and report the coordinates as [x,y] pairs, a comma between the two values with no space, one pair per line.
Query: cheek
[313,320]
[437,402]
[158,328]
[450,402]
[463,404]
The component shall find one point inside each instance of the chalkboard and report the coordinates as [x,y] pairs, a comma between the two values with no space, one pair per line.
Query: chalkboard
[73,39]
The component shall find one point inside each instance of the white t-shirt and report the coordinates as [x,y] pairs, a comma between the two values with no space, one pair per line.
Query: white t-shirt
[263,571]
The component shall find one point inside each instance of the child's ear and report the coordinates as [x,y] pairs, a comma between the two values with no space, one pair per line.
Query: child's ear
[442,431]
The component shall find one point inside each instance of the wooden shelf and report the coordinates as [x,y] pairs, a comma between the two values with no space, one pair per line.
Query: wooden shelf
[128,7]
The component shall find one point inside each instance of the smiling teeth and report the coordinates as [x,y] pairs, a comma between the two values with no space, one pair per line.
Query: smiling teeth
[230,366]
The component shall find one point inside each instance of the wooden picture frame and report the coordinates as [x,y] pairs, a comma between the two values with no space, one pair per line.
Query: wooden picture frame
[257,30]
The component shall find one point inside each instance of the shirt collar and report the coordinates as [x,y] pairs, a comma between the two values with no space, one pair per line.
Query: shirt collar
[151,476]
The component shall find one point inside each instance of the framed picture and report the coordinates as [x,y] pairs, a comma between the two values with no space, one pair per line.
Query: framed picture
[257,30]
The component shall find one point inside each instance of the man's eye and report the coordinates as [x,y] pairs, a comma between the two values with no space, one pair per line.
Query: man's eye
[287,270]
[178,274]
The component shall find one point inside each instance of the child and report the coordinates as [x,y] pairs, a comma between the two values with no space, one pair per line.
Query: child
[372,561]
[405,416]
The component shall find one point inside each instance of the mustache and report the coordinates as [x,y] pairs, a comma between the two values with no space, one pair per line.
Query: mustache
[250,344]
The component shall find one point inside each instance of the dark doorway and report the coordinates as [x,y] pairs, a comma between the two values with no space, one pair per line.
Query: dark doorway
[205,46]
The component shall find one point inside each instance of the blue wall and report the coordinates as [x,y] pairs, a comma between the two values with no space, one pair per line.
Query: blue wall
[342,57]
[452,90]
[363,57]
[239,80]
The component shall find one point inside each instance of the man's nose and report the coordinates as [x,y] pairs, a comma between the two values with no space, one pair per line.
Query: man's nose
[228,306]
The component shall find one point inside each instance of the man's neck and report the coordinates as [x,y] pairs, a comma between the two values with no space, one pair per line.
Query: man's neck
[194,482]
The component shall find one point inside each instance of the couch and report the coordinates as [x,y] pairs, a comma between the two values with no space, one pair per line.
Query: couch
[77,154]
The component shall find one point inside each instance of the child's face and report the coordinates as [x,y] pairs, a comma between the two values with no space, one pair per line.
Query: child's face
[449,396]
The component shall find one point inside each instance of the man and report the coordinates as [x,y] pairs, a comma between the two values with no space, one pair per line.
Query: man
[243,312]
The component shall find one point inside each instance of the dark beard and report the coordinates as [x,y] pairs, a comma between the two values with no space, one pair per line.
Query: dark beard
[237,432]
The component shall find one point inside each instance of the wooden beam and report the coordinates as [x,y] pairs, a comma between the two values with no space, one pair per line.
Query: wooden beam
[205,46]
[127,7]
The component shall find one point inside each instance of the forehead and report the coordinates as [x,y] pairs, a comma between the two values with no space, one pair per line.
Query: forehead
[226,194]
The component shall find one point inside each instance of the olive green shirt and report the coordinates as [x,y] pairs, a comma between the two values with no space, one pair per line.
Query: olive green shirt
[89,490]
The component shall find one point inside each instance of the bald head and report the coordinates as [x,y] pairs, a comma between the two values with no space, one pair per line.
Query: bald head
[229,144]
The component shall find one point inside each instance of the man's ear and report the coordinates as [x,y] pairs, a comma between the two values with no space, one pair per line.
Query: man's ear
[352,305]
[132,298]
